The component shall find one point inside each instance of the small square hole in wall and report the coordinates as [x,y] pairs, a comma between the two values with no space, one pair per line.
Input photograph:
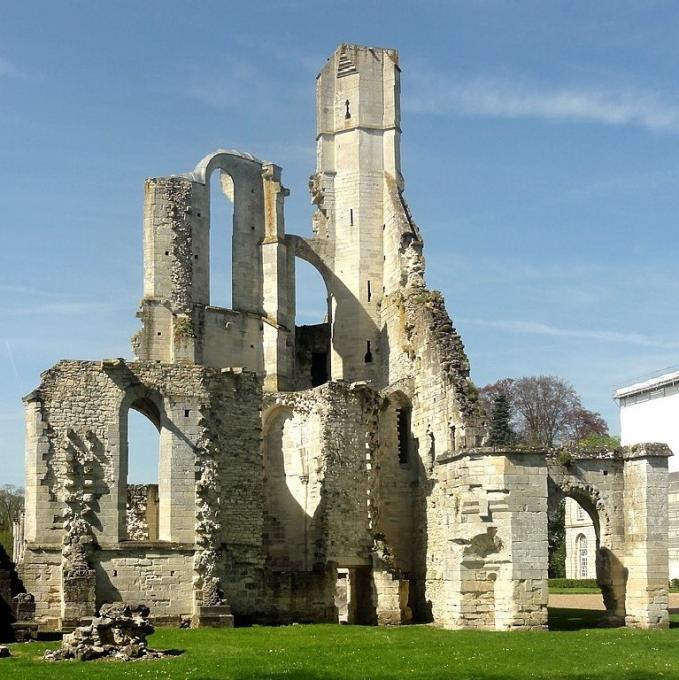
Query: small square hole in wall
[187,413]
[172,573]
[167,252]
[115,572]
[605,472]
[197,214]
[158,332]
[195,257]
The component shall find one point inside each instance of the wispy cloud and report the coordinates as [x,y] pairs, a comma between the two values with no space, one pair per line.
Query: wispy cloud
[518,98]
[10,70]
[67,308]
[537,328]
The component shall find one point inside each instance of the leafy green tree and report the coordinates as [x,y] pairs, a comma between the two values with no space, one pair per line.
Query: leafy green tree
[556,531]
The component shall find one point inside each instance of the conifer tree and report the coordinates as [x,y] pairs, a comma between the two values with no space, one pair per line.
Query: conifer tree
[501,432]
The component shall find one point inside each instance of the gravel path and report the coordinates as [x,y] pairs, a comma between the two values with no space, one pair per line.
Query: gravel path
[592,601]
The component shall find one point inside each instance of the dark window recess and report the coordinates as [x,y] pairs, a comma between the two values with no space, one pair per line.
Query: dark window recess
[370,293]
[319,368]
[368,358]
[347,115]
[351,216]
[187,413]
[403,428]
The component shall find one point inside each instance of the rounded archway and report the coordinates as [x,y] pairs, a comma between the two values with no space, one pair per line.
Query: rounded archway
[580,509]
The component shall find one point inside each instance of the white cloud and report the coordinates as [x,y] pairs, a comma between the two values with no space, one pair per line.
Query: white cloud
[516,98]
[9,70]
[538,328]
[70,308]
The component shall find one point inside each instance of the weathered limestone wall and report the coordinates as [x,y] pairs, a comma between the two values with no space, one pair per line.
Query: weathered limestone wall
[316,467]
[158,577]
[41,570]
[142,512]
[646,531]
[487,549]
[178,323]
[209,427]
[357,136]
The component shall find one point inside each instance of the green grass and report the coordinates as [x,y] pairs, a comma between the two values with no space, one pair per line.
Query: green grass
[575,650]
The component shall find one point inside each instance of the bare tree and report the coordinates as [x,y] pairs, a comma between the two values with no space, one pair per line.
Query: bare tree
[11,505]
[545,410]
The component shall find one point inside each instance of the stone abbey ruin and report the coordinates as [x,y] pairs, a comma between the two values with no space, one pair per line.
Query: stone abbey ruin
[324,473]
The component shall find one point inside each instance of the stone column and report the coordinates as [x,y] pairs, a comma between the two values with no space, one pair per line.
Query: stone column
[521,588]
[646,535]
[391,599]
[492,574]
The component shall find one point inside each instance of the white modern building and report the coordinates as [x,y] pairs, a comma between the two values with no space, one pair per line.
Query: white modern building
[649,412]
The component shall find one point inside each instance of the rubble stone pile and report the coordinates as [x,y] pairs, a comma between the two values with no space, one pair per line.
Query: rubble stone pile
[118,632]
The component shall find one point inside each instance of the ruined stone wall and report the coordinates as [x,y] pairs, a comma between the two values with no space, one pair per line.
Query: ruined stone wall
[487,548]
[317,477]
[160,578]
[178,323]
[42,570]
[77,460]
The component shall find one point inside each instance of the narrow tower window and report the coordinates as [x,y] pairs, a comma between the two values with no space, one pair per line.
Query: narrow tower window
[347,115]
[403,427]
[351,216]
[370,294]
[368,354]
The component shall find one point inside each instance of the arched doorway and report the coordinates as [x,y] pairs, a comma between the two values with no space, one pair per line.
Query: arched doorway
[578,509]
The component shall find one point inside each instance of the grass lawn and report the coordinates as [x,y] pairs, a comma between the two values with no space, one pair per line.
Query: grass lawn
[572,650]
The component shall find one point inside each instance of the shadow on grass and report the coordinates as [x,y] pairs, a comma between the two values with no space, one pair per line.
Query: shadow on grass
[573,619]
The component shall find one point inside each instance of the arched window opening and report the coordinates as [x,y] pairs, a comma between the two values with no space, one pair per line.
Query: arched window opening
[572,535]
[581,550]
[143,462]
[221,239]
[312,336]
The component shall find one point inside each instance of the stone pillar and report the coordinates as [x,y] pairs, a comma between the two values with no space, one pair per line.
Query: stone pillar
[521,587]
[78,603]
[391,599]
[646,535]
[277,286]
[492,572]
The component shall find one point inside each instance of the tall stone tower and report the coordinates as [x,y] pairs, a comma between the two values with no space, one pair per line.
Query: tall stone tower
[358,132]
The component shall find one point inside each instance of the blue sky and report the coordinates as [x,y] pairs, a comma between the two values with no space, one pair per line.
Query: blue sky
[540,151]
